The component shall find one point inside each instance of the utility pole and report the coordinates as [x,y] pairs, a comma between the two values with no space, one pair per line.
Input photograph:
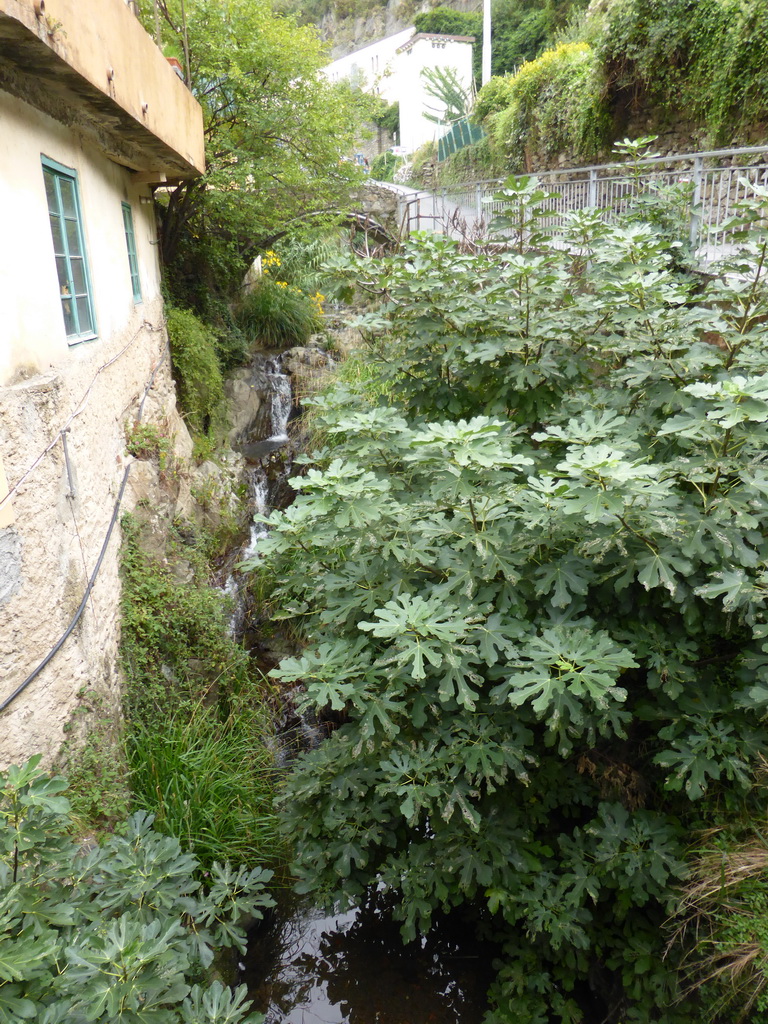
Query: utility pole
[486,66]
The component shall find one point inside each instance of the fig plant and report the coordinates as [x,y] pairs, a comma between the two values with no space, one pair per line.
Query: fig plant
[533,593]
[119,933]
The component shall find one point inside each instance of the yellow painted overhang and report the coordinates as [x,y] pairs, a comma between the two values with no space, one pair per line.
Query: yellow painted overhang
[91,65]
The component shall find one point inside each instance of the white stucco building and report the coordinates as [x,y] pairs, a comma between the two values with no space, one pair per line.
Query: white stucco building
[372,68]
[92,116]
[392,68]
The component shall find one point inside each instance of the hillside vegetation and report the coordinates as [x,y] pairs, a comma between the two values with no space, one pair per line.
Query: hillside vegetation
[703,65]
[522,28]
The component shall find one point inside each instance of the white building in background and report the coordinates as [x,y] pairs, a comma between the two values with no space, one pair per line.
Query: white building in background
[392,68]
[373,67]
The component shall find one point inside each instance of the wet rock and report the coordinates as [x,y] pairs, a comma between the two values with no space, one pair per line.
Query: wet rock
[182,570]
[303,358]
[244,402]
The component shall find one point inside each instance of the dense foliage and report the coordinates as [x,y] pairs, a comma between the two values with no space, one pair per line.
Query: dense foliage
[385,115]
[113,934]
[196,367]
[197,727]
[384,165]
[523,29]
[533,592]
[708,60]
[553,104]
[700,65]
[275,314]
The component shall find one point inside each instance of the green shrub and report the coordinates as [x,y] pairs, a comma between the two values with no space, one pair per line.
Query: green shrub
[232,347]
[495,96]
[708,59]
[383,166]
[174,641]
[556,102]
[479,161]
[196,368]
[519,37]
[423,160]
[197,725]
[303,259]
[93,760]
[279,315]
[148,441]
[209,780]
[115,934]
[533,585]
[387,116]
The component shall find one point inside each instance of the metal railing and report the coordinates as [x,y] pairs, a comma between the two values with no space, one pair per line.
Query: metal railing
[718,178]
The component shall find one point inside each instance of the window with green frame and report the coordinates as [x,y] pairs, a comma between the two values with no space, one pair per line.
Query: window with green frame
[69,249]
[133,262]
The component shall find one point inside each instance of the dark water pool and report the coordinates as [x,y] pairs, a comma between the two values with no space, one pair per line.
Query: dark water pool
[307,967]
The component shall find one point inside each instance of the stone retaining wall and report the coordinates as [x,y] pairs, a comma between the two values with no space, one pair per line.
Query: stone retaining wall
[60,518]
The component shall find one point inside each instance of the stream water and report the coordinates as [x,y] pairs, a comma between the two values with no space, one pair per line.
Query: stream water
[304,966]
[308,967]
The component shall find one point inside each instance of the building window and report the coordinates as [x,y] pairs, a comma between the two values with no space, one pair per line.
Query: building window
[69,249]
[133,262]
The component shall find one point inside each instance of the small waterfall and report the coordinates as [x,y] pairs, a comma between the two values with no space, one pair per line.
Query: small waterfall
[266,403]
[265,432]
[273,387]
[260,505]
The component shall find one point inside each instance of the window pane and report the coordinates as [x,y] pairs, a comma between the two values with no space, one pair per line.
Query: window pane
[84,315]
[73,238]
[67,188]
[63,272]
[50,192]
[58,238]
[69,319]
[78,276]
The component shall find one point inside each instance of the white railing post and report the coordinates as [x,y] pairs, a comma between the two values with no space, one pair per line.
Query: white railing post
[479,201]
[698,169]
[592,189]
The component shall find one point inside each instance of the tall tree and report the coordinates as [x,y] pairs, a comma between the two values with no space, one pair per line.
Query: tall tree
[275,129]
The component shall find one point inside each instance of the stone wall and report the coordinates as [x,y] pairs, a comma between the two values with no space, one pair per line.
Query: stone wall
[381,204]
[60,518]
[673,138]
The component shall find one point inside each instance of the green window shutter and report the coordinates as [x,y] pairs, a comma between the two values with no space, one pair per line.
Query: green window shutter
[133,261]
[69,251]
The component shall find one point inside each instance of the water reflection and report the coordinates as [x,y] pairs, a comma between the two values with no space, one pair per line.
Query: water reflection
[305,967]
